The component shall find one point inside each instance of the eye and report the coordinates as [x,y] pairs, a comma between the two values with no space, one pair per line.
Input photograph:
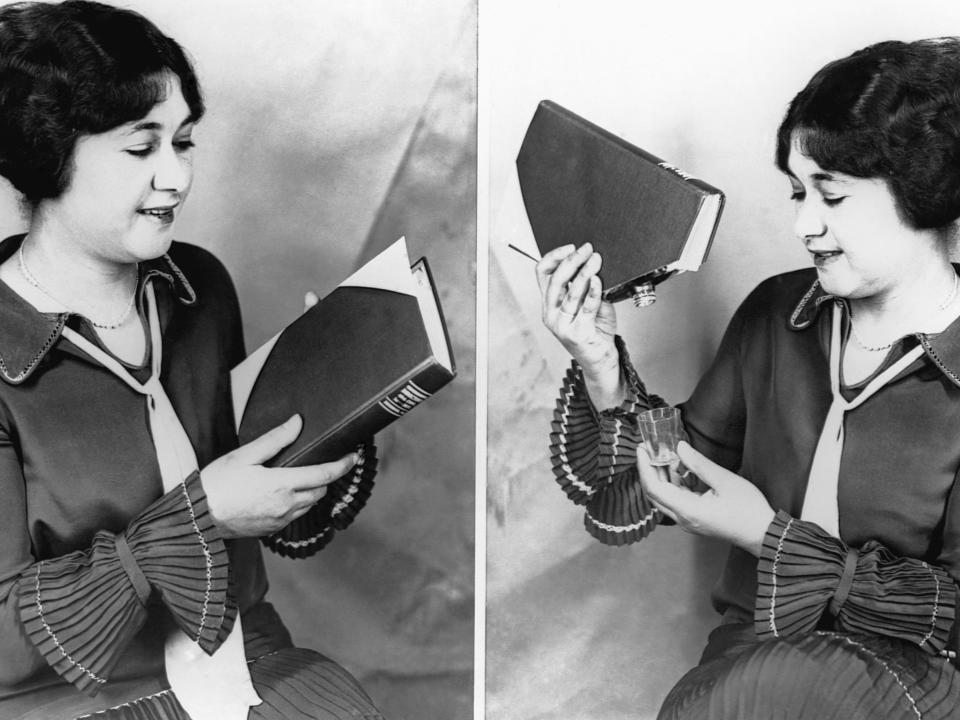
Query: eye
[833,201]
[183,145]
[140,150]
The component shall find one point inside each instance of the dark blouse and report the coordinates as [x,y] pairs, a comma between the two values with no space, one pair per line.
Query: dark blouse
[95,561]
[758,411]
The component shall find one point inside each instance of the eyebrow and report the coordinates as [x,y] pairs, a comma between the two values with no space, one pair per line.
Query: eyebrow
[823,177]
[829,177]
[154,125]
[818,179]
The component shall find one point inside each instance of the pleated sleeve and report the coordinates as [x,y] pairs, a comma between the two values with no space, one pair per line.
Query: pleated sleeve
[81,610]
[335,511]
[594,452]
[805,574]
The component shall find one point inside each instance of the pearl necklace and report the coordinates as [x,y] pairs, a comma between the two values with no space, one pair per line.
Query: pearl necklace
[119,321]
[881,348]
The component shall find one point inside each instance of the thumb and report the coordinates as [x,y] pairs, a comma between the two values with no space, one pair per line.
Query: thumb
[258,451]
[708,471]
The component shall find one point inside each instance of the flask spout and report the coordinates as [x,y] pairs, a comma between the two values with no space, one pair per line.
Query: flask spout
[644,295]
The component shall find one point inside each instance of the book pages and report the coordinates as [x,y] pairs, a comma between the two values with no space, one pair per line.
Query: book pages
[244,376]
[390,270]
[430,313]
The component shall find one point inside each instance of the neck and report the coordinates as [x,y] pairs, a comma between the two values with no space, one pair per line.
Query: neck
[925,301]
[73,270]
[57,275]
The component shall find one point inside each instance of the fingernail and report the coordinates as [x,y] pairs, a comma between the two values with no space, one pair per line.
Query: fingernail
[293,418]
[586,248]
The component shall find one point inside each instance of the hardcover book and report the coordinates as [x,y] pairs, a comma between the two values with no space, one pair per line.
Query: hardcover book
[648,219]
[362,357]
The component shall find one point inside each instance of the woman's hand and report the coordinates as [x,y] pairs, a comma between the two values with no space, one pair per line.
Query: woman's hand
[249,500]
[574,311]
[731,508]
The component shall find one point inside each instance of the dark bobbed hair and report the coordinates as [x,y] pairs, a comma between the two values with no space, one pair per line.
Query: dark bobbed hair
[891,111]
[77,68]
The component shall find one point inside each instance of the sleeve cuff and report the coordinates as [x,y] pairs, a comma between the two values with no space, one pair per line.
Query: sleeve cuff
[336,510]
[621,514]
[803,572]
[590,447]
[81,610]
[797,572]
[178,547]
[900,597]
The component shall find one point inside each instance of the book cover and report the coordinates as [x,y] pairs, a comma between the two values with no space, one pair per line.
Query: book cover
[362,357]
[647,218]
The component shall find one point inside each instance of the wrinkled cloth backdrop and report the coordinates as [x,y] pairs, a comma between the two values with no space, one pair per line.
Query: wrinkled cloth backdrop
[576,629]
[332,129]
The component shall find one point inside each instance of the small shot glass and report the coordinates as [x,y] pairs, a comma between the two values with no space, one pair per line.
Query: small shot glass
[661,429]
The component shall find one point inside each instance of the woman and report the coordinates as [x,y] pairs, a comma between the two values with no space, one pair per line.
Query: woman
[128,550]
[824,430]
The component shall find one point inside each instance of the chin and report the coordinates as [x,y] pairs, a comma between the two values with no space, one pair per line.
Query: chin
[838,284]
[149,248]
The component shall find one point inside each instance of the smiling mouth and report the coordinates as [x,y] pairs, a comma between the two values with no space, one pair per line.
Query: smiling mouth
[822,255]
[164,214]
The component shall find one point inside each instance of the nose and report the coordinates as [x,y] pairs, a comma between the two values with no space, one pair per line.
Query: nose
[173,171]
[808,221]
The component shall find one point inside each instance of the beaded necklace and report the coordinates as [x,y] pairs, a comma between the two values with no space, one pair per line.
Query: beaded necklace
[117,322]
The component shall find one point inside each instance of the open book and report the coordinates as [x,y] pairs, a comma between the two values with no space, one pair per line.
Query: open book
[363,356]
[647,218]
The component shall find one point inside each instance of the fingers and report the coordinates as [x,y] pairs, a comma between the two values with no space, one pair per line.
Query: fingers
[548,264]
[304,500]
[665,511]
[310,477]
[257,452]
[558,286]
[709,472]
[578,287]
[650,475]
[303,487]
[670,499]
[675,502]
[594,296]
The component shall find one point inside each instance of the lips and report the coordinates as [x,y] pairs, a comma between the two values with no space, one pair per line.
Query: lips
[823,257]
[162,213]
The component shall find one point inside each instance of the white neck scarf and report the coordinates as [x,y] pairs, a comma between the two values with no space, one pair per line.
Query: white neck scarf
[210,687]
[820,501]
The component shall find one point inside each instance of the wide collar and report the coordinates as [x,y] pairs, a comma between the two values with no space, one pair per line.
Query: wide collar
[26,334]
[943,349]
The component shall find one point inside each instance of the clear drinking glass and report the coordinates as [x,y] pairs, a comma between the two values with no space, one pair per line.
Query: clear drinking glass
[661,429]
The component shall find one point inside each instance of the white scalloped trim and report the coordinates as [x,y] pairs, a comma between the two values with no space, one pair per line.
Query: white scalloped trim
[624,528]
[53,635]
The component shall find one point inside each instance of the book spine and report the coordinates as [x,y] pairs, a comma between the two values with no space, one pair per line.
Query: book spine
[676,171]
[402,401]
[691,180]
[378,412]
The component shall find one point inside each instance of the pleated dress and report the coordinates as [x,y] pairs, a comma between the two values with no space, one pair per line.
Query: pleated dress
[97,562]
[860,626]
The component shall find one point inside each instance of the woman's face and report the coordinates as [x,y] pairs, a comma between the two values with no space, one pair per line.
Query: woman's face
[127,185]
[851,227]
